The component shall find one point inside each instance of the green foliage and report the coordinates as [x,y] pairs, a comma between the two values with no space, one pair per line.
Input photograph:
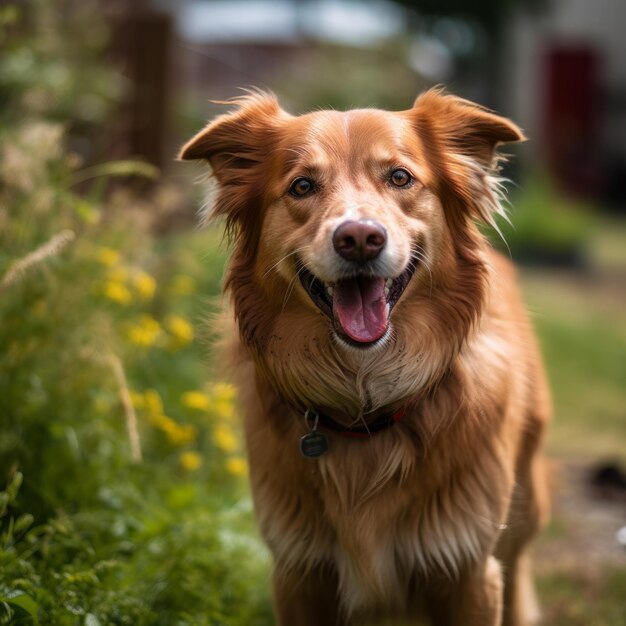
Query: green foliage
[105,411]
[545,226]
[125,498]
[136,559]
[51,65]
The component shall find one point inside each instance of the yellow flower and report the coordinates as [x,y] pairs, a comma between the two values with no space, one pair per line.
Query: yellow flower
[183,285]
[162,422]
[237,466]
[116,291]
[178,434]
[144,284]
[180,330]
[137,399]
[145,332]
[224,408]
[190,460]
[196,400]
[225,438]
[224,391]
[108,256]
[223,395]
[153,402]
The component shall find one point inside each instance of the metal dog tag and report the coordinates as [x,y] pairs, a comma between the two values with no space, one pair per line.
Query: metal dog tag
[313,444]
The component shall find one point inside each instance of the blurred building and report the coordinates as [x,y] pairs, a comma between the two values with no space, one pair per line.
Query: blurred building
[558,70]
[566,80]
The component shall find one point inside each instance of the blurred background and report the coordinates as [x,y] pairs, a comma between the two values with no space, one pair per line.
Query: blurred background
[122,470]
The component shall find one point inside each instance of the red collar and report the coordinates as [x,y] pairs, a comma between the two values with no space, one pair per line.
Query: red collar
[382,422]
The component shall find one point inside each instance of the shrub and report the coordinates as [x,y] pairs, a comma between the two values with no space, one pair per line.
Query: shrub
[125,500]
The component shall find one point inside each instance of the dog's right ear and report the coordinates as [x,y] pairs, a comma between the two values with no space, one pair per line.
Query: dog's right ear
[236,146]
[236,142]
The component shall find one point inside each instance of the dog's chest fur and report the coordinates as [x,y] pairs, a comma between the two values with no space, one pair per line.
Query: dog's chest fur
[382,516]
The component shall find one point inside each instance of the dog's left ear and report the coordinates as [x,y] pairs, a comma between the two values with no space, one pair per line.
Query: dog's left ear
[236,146]
[237,141]
[448,123]
[460,139]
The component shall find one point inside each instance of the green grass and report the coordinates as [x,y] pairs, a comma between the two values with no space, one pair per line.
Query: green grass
[583,337]
[583,598]
[582,328]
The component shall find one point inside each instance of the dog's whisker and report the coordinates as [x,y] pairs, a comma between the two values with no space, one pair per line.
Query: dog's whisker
[420,254]
[290,288]
[275,265]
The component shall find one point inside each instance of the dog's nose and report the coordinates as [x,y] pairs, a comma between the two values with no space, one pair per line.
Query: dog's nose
[360,240]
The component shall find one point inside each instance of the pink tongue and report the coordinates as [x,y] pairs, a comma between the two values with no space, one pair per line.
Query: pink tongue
[360,307]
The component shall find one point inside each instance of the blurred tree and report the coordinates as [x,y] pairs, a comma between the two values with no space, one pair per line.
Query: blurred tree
[488,13]
[473,34]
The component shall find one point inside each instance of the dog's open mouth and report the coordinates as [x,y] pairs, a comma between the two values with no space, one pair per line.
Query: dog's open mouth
[358,306]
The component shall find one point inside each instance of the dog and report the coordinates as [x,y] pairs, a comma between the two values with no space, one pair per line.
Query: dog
[394,397]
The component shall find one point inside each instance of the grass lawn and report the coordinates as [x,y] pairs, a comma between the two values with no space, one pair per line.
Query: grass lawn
[582,328]
[581,322]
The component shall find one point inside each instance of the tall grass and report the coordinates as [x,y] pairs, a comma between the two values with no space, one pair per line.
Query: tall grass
[122,476]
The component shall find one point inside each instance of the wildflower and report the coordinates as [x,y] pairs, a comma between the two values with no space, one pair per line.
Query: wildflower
[153,402]
[196,400]
[190,460]
[137,399]
[224,391]
[144,284]
[237,466]
[145,332]
[183,285]
[117,291]
[178,434]
[223,404]
[224,408]
[180,330]
[225,438]
[108,256]
[162,422]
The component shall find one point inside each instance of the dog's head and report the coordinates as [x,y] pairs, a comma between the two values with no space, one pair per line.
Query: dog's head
[349,211]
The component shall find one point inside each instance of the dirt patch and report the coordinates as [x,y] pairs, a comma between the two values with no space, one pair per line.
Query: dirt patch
[585,521]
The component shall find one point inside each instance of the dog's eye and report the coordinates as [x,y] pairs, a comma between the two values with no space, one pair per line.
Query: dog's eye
[301,187]
[401,178]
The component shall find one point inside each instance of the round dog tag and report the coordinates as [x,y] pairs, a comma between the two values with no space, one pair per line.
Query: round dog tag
[313,444]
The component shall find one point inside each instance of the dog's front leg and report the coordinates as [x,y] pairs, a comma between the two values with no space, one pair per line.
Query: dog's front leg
[476,600]
[307,599]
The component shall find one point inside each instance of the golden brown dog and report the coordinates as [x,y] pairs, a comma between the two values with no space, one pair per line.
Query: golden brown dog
[393,394]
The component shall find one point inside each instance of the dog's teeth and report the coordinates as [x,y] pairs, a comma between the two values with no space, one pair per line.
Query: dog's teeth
[388,282]
[386,292]
[329,291]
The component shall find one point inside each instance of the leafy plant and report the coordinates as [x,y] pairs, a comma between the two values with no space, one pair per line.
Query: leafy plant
[546,226]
